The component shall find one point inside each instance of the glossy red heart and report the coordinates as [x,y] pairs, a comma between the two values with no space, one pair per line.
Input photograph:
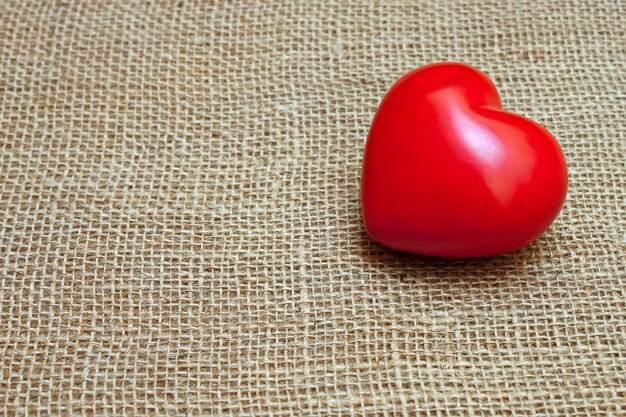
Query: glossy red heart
[448,173]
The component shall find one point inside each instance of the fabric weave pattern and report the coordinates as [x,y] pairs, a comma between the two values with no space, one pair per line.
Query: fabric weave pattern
[181,230]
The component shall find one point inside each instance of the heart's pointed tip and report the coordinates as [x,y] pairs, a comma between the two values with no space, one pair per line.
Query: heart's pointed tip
[440,251]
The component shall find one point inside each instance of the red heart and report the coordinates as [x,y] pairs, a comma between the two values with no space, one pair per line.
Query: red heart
[448,173]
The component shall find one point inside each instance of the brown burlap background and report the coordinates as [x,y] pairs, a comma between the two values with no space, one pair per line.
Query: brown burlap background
[181,233]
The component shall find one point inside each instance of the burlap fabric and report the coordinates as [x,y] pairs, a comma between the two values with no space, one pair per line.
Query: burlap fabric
[181,228]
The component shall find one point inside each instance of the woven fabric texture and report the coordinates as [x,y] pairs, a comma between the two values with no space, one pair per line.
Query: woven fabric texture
[180,219]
